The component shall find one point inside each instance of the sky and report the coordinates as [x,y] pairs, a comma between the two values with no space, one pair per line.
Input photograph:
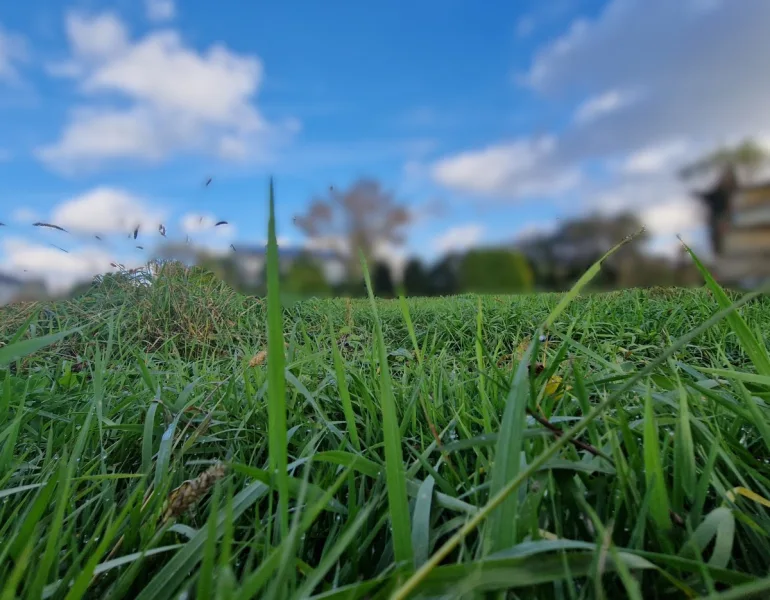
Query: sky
[512,115]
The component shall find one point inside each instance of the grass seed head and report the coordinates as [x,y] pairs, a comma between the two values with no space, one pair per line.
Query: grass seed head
[191,491]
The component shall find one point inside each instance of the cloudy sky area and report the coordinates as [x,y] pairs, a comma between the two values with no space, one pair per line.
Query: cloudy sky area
[514,115]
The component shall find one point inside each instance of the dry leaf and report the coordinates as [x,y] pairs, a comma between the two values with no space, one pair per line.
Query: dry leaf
[260,357]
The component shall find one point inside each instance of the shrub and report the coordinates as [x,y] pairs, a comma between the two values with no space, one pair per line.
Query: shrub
[495,272]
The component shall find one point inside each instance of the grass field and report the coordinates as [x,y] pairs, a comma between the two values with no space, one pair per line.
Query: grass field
[156,443]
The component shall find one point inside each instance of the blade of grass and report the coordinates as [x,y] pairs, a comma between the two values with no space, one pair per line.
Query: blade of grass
[503,528]
[653,469]
[15,351]
[394,461]
[753,347]
[276,382]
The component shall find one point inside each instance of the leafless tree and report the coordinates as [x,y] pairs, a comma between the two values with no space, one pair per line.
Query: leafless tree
[362,217]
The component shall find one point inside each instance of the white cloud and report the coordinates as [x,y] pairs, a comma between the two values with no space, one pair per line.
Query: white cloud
[603,104]
[655,159]
[160,10]
[94,136]
[672,218]
[204,232]
[107,210]
[458,238]
[96,38]
[13,50]
[698,63]
[58,269]
[5,155]
[514,169]
[179,99]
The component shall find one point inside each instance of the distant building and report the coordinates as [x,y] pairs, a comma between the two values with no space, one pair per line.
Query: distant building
[250,263]
[740,230]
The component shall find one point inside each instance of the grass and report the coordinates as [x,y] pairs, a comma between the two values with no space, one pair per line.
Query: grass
[183,439]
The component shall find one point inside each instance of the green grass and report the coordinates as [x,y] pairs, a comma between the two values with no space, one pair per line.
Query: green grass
[384,448]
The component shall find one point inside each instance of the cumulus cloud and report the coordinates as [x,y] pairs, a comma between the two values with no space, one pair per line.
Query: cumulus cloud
[59,270]
[655,159]
[13,50]
[179,99]
[458,238]
[603,104]
[515,169]
[697,66]
[160,10]
[107,210]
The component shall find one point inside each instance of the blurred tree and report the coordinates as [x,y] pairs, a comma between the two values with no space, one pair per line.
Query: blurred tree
[559,258]
[382,281]
[360,218]
[442,277]
[495,271]
[416,281]
[743,160]
[306,277]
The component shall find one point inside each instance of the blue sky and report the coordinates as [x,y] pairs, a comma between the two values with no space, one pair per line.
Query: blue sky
[512,114]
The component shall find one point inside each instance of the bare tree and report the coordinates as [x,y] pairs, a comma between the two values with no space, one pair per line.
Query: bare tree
[361,217]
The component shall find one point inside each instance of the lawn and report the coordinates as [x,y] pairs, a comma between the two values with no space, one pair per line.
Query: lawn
[156,443]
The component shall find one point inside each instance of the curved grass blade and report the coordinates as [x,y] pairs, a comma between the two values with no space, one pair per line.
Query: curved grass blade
[17,350]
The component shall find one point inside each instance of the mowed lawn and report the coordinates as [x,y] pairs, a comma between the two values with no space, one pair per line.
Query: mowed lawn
[166,449]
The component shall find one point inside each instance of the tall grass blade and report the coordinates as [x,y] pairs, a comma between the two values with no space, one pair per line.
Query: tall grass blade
[276,382]
[394,461]
[753,347]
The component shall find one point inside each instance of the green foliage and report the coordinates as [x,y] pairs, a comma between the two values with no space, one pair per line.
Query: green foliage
[382,281]
[747,155]
[306,277]
[495,271]
[442,278]
[416,279]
